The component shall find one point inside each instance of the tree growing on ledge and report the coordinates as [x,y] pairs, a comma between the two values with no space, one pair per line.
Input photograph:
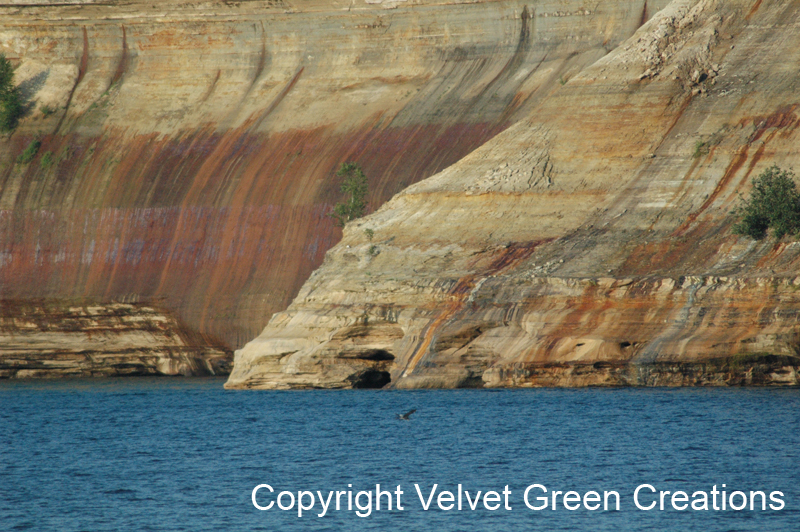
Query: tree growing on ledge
[10,106]
[774,203]
[355,187]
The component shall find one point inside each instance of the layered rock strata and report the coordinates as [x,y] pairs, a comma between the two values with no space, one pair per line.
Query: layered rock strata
[188,150]
[588,244]
[53,339]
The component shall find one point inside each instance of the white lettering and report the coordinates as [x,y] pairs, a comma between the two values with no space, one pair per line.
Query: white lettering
[606,494]
[430,499]
[300,506]
[680,496]
[378,494]
[572,496]
[253,496]
[364,511]
[447,497]
[636,497]
[495,497]
[325,503]
[776,497]
[543,499]
[469,501]
[280,496]
[591,496]
[744,500]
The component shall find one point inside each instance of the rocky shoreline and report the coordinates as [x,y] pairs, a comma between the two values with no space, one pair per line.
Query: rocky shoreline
[45,340]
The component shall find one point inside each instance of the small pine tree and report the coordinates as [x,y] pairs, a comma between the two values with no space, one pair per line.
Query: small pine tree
[355,186]
[774,203]
[10,106]
[6,77]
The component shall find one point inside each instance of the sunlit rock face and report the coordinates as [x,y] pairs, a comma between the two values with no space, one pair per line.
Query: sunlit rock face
[188,150]
[589,243]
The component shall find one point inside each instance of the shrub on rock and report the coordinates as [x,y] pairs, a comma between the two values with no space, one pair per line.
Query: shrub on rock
[774,203]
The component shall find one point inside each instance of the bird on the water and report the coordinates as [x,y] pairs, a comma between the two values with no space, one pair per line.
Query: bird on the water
[407,415]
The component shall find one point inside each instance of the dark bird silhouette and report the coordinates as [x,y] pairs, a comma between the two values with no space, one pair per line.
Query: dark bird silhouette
[407,415]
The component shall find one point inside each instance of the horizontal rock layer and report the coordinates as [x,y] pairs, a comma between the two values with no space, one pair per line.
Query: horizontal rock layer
[188,150]
[54,339]
[588,244]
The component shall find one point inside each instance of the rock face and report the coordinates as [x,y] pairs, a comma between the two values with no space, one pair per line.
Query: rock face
[589,243]
[193,146]
[51,339]
[188,150]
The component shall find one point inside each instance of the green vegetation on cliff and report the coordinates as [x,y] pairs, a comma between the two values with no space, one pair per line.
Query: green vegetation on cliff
[774,203]
[355,186]
[10,106]
[30,152]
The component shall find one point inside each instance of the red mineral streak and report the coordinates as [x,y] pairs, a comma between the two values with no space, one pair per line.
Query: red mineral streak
[222,228]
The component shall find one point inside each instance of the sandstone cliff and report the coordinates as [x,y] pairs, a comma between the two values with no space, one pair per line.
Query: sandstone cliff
[589,243]
[188,149]
[46,339]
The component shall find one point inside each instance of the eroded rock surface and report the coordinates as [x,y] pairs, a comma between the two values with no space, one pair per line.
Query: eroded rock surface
[193,145]
[588,244]
[52,339]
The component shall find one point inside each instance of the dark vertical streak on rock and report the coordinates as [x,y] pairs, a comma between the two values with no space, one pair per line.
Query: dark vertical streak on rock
[210,90]
[262,60]
[645,15]
[81,73]
[279,98]
[520,102]
[122,65]
[513,64]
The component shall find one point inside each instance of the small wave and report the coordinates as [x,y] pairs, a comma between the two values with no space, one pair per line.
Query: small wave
[120,491]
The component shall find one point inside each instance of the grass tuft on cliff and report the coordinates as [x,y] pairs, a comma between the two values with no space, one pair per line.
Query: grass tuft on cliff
[30,152]
[774,203]
[46,161]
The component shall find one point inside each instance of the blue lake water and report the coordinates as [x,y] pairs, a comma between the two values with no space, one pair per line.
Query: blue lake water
[183,454]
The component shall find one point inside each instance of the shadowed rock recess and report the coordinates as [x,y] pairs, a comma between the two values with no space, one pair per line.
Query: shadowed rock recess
[188,149]
[590,242]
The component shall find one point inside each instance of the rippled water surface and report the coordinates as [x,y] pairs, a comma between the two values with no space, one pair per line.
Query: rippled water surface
[183,454]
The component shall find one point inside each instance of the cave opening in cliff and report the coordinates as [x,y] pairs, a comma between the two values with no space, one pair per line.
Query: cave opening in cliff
[377,355]
[371,379]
